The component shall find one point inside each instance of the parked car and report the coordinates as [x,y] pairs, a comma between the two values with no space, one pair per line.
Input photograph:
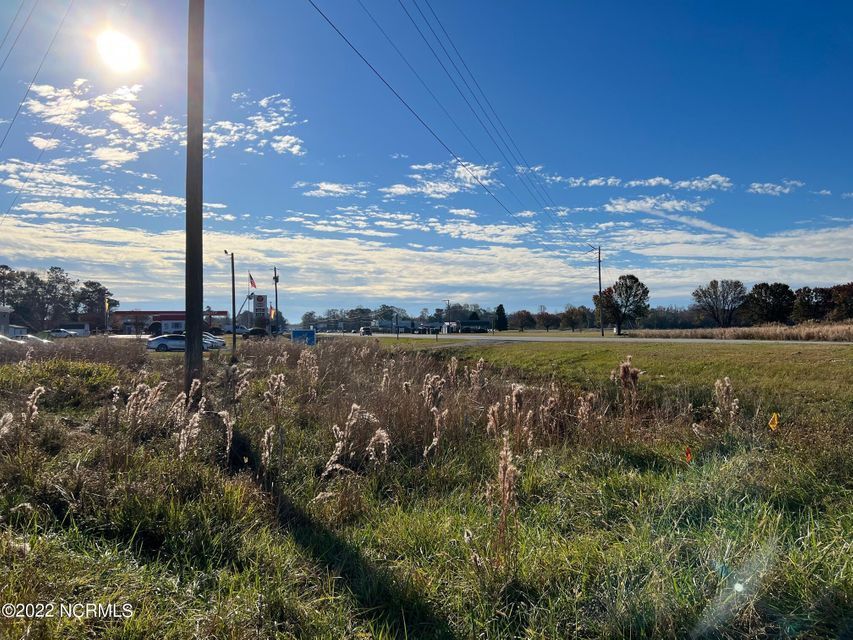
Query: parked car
[256,333]
[168,342]
[215,331]
[62,333]
[8,339]
[365,331]
[33,338]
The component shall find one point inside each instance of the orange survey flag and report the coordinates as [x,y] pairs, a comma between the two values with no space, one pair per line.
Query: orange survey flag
[774,422]
[688,455]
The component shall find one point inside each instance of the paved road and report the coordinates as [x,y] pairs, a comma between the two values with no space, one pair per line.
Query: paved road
[509,337]
[521,337]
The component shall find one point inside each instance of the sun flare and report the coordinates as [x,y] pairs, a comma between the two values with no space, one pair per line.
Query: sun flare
[119,52]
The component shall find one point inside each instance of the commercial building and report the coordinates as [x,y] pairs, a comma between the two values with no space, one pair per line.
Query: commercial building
[139,321]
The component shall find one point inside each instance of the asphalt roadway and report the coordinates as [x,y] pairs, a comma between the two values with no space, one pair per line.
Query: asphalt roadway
[515,336]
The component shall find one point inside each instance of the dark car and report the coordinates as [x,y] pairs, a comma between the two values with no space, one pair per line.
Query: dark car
[215,331]
[256,333]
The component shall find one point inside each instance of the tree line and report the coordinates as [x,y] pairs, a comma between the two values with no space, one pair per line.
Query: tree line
[625,303]
[43,300]
[726,303]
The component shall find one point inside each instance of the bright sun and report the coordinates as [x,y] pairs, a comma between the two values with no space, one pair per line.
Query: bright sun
[119,52]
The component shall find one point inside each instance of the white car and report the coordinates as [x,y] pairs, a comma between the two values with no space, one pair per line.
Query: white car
[176,342]
[33,338]
[8,339]
[63,333]
[168,342]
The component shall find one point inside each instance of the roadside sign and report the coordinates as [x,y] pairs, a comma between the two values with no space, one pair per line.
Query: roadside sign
[308,336]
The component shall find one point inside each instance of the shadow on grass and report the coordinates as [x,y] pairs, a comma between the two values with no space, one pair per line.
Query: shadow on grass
[390,602]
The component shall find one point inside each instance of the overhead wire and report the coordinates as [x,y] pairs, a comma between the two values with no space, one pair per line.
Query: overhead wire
[516,163]
[26,180]
[35,75]
[434,97]
[20,31]
[530,173]
[12,24]
[417,116]
[423,82]
[464,98]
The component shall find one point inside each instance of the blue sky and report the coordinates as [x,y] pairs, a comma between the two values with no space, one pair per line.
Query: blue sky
[691,140]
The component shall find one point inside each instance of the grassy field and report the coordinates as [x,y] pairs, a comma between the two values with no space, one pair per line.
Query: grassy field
[529,496]
[815,379]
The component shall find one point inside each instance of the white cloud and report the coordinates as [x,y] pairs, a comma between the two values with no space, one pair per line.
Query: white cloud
[463,213]
[654,204]
[712,182]
[45,144]
[440,181]
[489,233]
[114,156]
[332,189]
[287,144]
[772,189]
[612,181]
[114,119]
[52,208]
[650,182]
[135,263]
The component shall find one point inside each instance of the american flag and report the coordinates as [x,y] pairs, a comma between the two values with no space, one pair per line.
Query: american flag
[252,281]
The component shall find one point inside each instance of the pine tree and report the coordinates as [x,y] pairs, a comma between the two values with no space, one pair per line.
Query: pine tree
[501,323]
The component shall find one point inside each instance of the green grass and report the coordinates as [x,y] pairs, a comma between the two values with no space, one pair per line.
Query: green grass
[614,539]
[815,379]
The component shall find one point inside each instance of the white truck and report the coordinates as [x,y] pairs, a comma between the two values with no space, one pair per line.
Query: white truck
[241,330]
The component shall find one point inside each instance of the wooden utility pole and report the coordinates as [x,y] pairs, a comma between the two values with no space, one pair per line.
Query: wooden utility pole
[194,283]
[600,301]
[233,309]
[275,283]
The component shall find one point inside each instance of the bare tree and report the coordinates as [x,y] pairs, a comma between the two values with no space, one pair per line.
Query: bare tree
[720,300]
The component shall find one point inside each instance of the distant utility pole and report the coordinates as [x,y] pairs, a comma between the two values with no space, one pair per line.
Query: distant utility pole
[194,280]
[233,309]
[275,283]
[600,301]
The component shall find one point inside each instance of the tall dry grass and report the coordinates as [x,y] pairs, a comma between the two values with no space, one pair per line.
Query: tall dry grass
[491,492]
[807,331]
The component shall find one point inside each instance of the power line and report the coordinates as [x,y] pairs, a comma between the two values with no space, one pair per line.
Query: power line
[35,75]
[515,162]
[434,97]
[418,118]
[423,122]
[422,81]
[485,97]
[464,97]
[12,24]
[531,174]
[20,31]
[26,180]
